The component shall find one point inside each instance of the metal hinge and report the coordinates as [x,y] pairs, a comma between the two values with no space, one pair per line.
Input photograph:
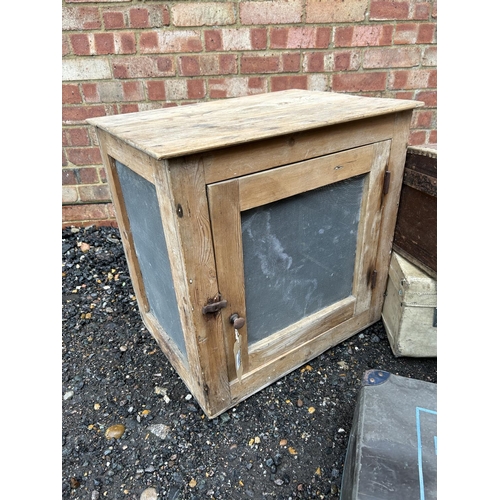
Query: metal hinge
[214,305]
[387,181]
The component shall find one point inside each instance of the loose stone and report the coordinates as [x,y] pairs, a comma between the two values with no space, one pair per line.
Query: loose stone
[159,430]
[115,431]
[149,494]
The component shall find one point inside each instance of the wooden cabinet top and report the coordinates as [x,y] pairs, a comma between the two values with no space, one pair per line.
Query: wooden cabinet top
[177,131]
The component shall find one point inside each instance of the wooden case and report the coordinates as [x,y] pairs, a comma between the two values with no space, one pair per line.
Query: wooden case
[409,312]
[415,236]
[257,230]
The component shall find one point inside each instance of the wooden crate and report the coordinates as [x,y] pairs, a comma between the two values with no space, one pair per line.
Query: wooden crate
[415,236]
[409,312]
[257,230]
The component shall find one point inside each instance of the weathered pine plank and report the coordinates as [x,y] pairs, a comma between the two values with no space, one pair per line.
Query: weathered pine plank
[169,132]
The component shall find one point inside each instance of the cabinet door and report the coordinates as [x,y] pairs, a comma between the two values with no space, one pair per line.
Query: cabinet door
[295,250]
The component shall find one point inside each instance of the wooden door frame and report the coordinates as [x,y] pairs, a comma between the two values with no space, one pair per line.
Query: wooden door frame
[227,199]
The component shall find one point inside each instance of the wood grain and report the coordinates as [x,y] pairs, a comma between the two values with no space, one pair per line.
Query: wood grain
[171,132]
[279,183]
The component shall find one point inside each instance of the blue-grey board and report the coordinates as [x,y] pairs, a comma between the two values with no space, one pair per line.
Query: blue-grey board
[143,211]
[299,255]
[392,450]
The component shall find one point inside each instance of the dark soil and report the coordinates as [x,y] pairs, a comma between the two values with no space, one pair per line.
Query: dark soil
[287,441]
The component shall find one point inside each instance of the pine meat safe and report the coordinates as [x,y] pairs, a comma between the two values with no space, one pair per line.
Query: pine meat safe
[258,229]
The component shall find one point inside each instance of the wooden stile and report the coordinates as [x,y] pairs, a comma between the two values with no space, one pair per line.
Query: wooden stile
[273,217]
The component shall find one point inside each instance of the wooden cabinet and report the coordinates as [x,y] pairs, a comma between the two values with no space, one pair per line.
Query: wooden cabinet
[258,230]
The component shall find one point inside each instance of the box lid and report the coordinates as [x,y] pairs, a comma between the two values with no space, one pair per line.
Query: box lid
[415,288]
[177,131]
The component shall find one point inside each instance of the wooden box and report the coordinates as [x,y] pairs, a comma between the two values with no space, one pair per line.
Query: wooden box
[409,312]
[257,230]
[415,236]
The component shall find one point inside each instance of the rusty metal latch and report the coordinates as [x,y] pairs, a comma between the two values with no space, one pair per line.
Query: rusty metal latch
[214,307]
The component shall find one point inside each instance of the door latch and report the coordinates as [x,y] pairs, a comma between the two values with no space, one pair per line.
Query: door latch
[213,307]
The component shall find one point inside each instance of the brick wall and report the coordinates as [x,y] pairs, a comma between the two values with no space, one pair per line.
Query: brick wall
[121,56]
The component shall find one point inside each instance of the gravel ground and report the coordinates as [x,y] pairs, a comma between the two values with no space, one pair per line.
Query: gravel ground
[131,430]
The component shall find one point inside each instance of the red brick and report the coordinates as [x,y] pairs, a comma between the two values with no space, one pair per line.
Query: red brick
[422,118]
[66,46]
[258,38]
[203,13]
[275,12]
[68,177]
[426,33]
[403,95]
[422,11]
[255,82]
[279,37]
[156,90]
[391,57]
[235,87]
[165,65]
[80,18]
[315,62]
[362,36]
[291,62]
[104,43]
[323,37]
[288,82]
[213,39]
[189,65]
[165,16]
[335,11]
[432,137]
[143,67]
[429,57]
[90,93]
[125,43]
[80,44]
[71,94]
[139,18]
[76,114]
[342,61]
[148,41]
[113,20]
[87,176]
[405,33]
[97,192]
[259,64]
[69,194]
[300,38]
[196,89]
[228,64]
[343,36]
[433,79]
[429,97]
[77,136]
[132,91]
[170,41]
[359,82]
[417,138]
[84,212]
[129,108]
[389,9]
[102,175]
[412,79]
[84,156]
